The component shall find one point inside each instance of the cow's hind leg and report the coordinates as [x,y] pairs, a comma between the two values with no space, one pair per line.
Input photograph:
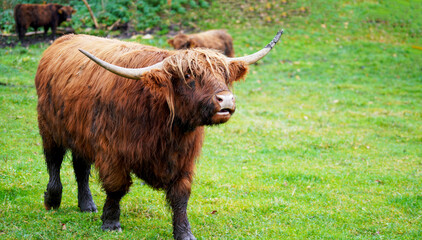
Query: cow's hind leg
[53,194]
[46,31]
[82,170]
[178,196]
[21,32]
[54,154]
[53,31]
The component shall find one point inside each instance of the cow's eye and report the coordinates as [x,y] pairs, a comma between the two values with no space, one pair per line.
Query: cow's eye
[187,76]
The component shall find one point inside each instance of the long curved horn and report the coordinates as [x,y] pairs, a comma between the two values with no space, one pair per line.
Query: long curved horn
[132,73]
[253,58]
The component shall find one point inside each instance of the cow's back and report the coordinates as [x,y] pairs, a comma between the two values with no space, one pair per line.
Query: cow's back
[74,67]
[216,39]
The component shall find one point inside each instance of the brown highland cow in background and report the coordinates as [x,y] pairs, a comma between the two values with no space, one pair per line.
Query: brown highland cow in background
[214,39]
[140,111]
[40,15]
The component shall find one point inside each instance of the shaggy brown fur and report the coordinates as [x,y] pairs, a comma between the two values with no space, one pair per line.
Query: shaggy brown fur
[214,39]
[40,15]
[151,127]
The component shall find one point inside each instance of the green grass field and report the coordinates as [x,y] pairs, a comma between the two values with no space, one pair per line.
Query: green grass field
[326,141]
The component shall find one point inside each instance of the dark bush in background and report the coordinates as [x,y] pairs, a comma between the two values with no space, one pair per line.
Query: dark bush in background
[140,14]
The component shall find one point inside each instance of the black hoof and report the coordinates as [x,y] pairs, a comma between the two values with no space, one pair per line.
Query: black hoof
[52,200]
[184,236]
[111,226]
[88,207]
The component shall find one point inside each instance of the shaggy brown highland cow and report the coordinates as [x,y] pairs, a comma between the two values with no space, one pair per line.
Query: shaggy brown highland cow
[141,111]
[214,39]
[40,15]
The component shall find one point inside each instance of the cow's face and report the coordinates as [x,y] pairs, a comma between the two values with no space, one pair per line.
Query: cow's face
[196,84]
[65,13]
[180,41]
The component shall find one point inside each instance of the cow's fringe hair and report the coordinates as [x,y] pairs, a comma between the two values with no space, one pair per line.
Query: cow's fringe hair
[194,62]
[170,103]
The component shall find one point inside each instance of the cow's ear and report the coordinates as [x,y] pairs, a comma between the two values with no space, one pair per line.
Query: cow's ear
[238,70]
[161,87]
[171,42]
[73,11]
[158,82]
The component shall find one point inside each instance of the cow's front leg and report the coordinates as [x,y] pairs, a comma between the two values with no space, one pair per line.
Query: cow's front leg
[178,196]
[116,186]
[111,212]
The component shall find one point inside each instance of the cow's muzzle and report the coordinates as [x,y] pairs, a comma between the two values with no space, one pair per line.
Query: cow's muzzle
[225,104]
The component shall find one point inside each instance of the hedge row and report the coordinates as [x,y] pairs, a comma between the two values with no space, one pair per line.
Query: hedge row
[142,14]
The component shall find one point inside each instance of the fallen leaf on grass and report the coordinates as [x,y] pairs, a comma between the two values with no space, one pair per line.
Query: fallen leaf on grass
[214,212]
[302,9]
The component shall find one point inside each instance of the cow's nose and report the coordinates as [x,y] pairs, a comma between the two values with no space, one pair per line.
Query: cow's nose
[226,101]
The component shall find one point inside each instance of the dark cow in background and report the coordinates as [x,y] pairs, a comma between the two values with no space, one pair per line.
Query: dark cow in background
[40,15]
[140,111]
[214,39]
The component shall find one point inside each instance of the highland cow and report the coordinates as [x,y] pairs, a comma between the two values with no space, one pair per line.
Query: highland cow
[40,15]
[140,110]
[214,39]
